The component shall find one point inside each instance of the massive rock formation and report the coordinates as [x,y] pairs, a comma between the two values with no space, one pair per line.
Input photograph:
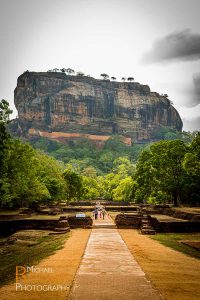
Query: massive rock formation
[59,106]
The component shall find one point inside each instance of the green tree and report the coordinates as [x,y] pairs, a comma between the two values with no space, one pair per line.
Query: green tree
[24,185]
[70,71]
[105,76]
[160,169]
[74,185]
[81,74]
[191,161]
[191,165]
[50,173]
[123,166]
[90,188]
[5,139]
[89,172]
[144,176]
[125,190]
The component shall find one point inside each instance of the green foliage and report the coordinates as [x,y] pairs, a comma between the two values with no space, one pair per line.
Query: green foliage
[191,165]
[84,154]
[166,171]
[166,133]
[123,166]
[4,146]
[27,176]
[125,190]
[156,169]
[158,197]
[74,185]
[31,176]
[161,173]
[191,161]
[90,188]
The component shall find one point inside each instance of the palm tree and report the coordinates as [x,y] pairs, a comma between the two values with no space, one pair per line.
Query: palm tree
[105,76]
[56,70]
[123,79]
[113,78]
[130,79]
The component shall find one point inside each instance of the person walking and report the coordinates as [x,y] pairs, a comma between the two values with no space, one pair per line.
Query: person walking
[103,212]
[93,214]
[96,213]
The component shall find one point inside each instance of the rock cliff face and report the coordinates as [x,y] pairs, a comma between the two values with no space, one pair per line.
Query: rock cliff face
[60,106]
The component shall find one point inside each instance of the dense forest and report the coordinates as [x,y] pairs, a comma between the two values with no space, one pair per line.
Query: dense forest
[44,171]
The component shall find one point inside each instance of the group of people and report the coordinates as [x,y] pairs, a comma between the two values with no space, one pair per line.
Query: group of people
[99,213]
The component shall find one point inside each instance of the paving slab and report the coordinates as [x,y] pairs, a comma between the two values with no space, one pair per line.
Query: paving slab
[108,270]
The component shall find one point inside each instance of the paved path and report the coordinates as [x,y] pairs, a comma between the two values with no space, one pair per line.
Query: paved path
[108,271]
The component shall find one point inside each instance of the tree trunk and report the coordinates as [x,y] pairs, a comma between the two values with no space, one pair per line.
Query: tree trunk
[175,196]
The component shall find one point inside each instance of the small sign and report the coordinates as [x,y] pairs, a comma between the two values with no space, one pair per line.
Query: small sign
[80,215]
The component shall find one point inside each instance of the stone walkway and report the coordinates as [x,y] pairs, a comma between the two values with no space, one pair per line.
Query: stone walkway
[108,271]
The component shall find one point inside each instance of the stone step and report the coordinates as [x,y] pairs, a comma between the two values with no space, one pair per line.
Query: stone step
[62,230]
[146,226]
[145,222]
[109,226]
[148,231]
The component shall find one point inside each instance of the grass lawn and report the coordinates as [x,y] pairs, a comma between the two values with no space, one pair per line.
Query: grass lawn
[30,247]
[172,240]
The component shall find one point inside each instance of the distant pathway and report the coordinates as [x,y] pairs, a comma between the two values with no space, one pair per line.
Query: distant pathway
[108,271]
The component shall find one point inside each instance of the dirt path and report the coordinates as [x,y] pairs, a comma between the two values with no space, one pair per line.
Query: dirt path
[108,271]
[61,268]
[176,275]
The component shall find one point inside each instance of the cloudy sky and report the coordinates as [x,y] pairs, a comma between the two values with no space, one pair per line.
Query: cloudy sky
[155,41]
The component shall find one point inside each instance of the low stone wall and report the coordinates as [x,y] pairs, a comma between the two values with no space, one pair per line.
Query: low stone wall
[102,202]
[175,226]
[135,221]
[181,214]
[91,208]
[13,217]
[82,203]
[121,208]
[128,221]
[8,227]
[77,209]
[75,222]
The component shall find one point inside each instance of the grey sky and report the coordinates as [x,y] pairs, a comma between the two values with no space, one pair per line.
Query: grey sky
[111,36]
[182,45]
